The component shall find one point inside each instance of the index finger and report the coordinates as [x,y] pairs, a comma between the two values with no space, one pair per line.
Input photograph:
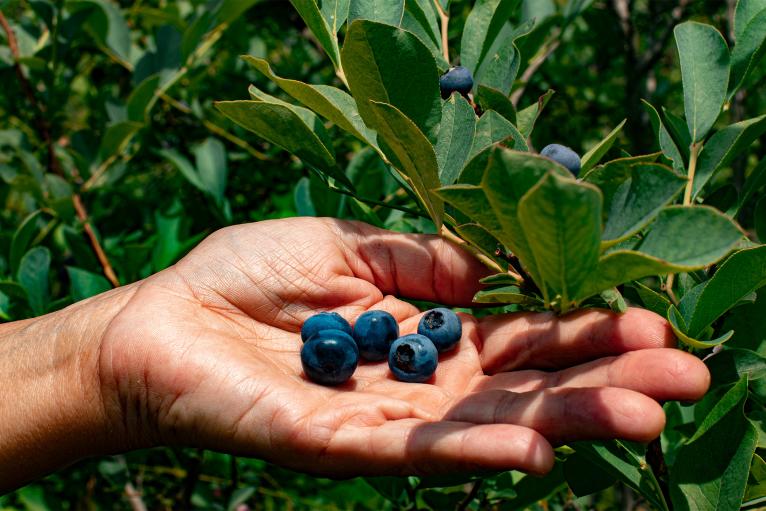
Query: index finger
[416,266]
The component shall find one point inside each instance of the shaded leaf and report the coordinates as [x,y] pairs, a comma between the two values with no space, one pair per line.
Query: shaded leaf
[562,219]
[482,27]
[526,118]
[331,103]
[382,11]
[711,469]
[85,284]
[315,20]
[415,154]
[389,65]
[33,277]
[455,139]
[724,146]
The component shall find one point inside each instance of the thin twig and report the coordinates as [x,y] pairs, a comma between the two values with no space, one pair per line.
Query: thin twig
[82,214]
[470,497]
[444,18]
[53,163]
[538,60]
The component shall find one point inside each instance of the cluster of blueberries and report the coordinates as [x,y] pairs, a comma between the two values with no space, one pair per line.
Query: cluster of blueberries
[331,348]
[459,79]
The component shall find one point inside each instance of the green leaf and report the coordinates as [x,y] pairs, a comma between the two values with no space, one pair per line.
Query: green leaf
[531,489]
[584,477]
[493,128]
[117,138]
[614,298]
[381,11]
[212,167]
[415,154]
[678,324]
[616,459]
[23,237]
[744,13]
[711,469]
[421,18]
[389,65]
[108,26]
[730,365]
[748,52]
[505,295]
[504,177]
[704,60]
[667,144]
[756,482]
[33,277]
[335,13]
[85,284]
[331,103]
[740,275]
[592,157]
[755,181]
[692,237]
[651,299]
[492,99]
[455,137]
[760,219]
[724,146]
[482,27]
[634,194]
[526,118]
[315,20]
[681,239]
[499,69]
[142,99]
[183,165]
[314,198]
[562,219]
[294,129]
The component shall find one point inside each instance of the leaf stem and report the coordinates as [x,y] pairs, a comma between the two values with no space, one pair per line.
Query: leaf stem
[486,261]
[693,154]
[444,17]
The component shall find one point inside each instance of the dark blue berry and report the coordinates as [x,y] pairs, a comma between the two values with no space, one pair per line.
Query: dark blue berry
[374,331]
[330,357]
[324,321]
[457,79]
[563,155]
[413,358]
[442,326]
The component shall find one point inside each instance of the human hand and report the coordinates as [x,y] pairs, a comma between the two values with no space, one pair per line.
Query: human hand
[206,353]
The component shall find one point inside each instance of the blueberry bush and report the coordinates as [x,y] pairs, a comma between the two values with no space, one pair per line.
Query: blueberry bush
[122,118]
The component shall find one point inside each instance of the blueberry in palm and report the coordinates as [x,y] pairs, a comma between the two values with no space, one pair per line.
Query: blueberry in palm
[374,331]
[413,358]
[324,321]
[442,326]
[330,357]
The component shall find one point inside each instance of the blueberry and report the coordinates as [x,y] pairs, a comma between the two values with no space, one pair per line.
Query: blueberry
[563,155]
[324,321]
[442,326]
[374,331]
[456,79]
[330,357]
[413,358]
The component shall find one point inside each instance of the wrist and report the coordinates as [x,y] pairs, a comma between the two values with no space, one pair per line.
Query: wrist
[52,412]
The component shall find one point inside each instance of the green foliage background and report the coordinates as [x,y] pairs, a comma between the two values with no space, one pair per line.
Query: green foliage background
[125,92]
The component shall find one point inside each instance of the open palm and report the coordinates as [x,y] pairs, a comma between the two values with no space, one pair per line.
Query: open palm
[206,353]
